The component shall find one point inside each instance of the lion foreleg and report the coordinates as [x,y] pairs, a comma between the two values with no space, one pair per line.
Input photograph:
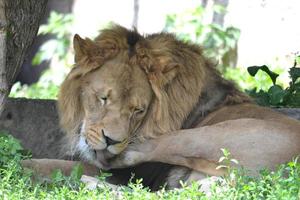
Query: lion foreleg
[162,150]
[250,141]
[43,168]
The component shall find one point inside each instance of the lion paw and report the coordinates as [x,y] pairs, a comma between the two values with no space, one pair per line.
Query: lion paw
[127,159]
[133,158]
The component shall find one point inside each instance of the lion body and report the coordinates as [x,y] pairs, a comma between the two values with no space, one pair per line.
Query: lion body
[181,90]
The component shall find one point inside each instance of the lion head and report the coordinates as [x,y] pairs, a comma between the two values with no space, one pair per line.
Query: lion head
[125,87]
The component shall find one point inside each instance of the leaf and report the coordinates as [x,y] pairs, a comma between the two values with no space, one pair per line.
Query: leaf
[37,59]
[221,166]
[234,161]
[233,33]
[225,152]
[276,94]
[293,100]
[262,98]
[294,73]
[77,172]
[57,176]
[221,159]
[254,69]
[297,60]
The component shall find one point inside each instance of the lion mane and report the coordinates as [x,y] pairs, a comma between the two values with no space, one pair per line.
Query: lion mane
[186,84]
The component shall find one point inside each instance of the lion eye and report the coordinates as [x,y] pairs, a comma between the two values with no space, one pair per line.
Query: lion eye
[139,110]
[103,100]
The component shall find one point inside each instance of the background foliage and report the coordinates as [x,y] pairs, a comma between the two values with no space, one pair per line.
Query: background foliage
[190,26]
[217,41]
[57,50]
[276,95]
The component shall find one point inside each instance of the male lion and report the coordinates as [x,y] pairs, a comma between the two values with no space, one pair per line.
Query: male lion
[132,99]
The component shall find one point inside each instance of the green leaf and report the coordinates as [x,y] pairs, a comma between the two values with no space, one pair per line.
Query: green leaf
[262,98]
[103,175]
[225,152]
[276,94]
[293,100]
[254,69]
[37,59]
[77,172]
[57,176]
[297,60]
[294,73]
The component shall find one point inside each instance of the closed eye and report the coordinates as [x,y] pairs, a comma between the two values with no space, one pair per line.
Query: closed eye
[103,100]
[139,110]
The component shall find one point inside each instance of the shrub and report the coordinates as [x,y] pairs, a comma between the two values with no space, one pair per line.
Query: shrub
[276,95]
[217,41]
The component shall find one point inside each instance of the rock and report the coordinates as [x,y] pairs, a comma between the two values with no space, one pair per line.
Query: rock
[292,112]
[35,123]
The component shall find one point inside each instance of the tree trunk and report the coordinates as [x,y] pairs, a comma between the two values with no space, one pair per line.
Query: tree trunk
[135,13]
[218,17]
[19,23]
[204,3]
[28,73]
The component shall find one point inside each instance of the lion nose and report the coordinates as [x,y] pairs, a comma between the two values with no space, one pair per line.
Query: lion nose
[108,140]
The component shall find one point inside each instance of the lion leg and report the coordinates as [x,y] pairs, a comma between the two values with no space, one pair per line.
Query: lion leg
[250,141]
[43,168]
[156,152]
[131,158]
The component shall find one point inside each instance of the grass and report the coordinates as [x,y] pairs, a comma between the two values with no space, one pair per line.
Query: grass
[15,183]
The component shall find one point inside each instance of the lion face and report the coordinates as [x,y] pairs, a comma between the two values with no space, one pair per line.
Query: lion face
[115,99]
[118,90]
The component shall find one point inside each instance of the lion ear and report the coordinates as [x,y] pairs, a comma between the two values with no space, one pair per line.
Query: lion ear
[169,72]
[158,66]
[82,47]
[159,76]
[162,71]
[93,54]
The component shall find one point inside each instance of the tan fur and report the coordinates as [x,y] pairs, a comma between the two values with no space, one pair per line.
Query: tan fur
[171,81]
[44,168]
[164,59]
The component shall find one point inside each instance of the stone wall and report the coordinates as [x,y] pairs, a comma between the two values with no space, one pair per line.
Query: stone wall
[35,124]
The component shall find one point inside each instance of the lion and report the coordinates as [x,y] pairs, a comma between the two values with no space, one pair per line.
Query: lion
[133,99]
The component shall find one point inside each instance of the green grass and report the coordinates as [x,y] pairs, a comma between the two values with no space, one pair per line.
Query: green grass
[15,183]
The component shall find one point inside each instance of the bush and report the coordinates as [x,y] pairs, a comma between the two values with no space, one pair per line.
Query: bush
[45,88]
[10,149]
[276,95]
[217,41]
[57,50]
